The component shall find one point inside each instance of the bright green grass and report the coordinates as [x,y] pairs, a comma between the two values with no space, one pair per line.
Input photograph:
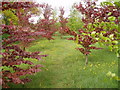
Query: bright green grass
[64,67]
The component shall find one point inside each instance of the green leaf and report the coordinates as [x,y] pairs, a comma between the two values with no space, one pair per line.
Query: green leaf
[102,23]
[103,32]
[118,55]
[84,34]
[110,47]
[117,4]
[109,13]
[96,38]
[104,27]
[105,38]
[111,36]
[93,33]
[115,46]
[106,3]
[116,42]
[111,18]
[95,25]
[101,35]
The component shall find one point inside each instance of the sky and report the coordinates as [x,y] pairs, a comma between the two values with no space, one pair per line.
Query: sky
[61,3]
[64,3]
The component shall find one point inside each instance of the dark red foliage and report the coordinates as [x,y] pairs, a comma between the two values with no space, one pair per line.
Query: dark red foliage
[92,12]
[70,32]
[15,55]
[47,25]
[19,5]
[63,21]
[84,40]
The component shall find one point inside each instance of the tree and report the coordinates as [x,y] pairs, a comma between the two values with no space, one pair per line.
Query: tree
[74,20]
[99,20]
[84,39]
[14,55]
[47,25]
[63,22]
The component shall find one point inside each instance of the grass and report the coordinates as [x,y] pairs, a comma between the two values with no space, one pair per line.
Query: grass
[64,67]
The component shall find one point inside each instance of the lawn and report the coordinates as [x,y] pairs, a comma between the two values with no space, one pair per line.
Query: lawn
[64,67]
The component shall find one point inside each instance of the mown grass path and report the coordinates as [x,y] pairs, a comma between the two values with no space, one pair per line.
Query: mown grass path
[64,67]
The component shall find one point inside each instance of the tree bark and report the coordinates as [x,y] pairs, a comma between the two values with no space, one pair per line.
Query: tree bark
[24,48]
[86,59]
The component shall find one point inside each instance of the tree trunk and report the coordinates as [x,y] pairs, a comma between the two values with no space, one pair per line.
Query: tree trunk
[86,59]
[24,48]
[61,37]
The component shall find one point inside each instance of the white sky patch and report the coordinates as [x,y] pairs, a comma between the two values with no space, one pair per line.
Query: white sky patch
[67,4]
[62,3]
